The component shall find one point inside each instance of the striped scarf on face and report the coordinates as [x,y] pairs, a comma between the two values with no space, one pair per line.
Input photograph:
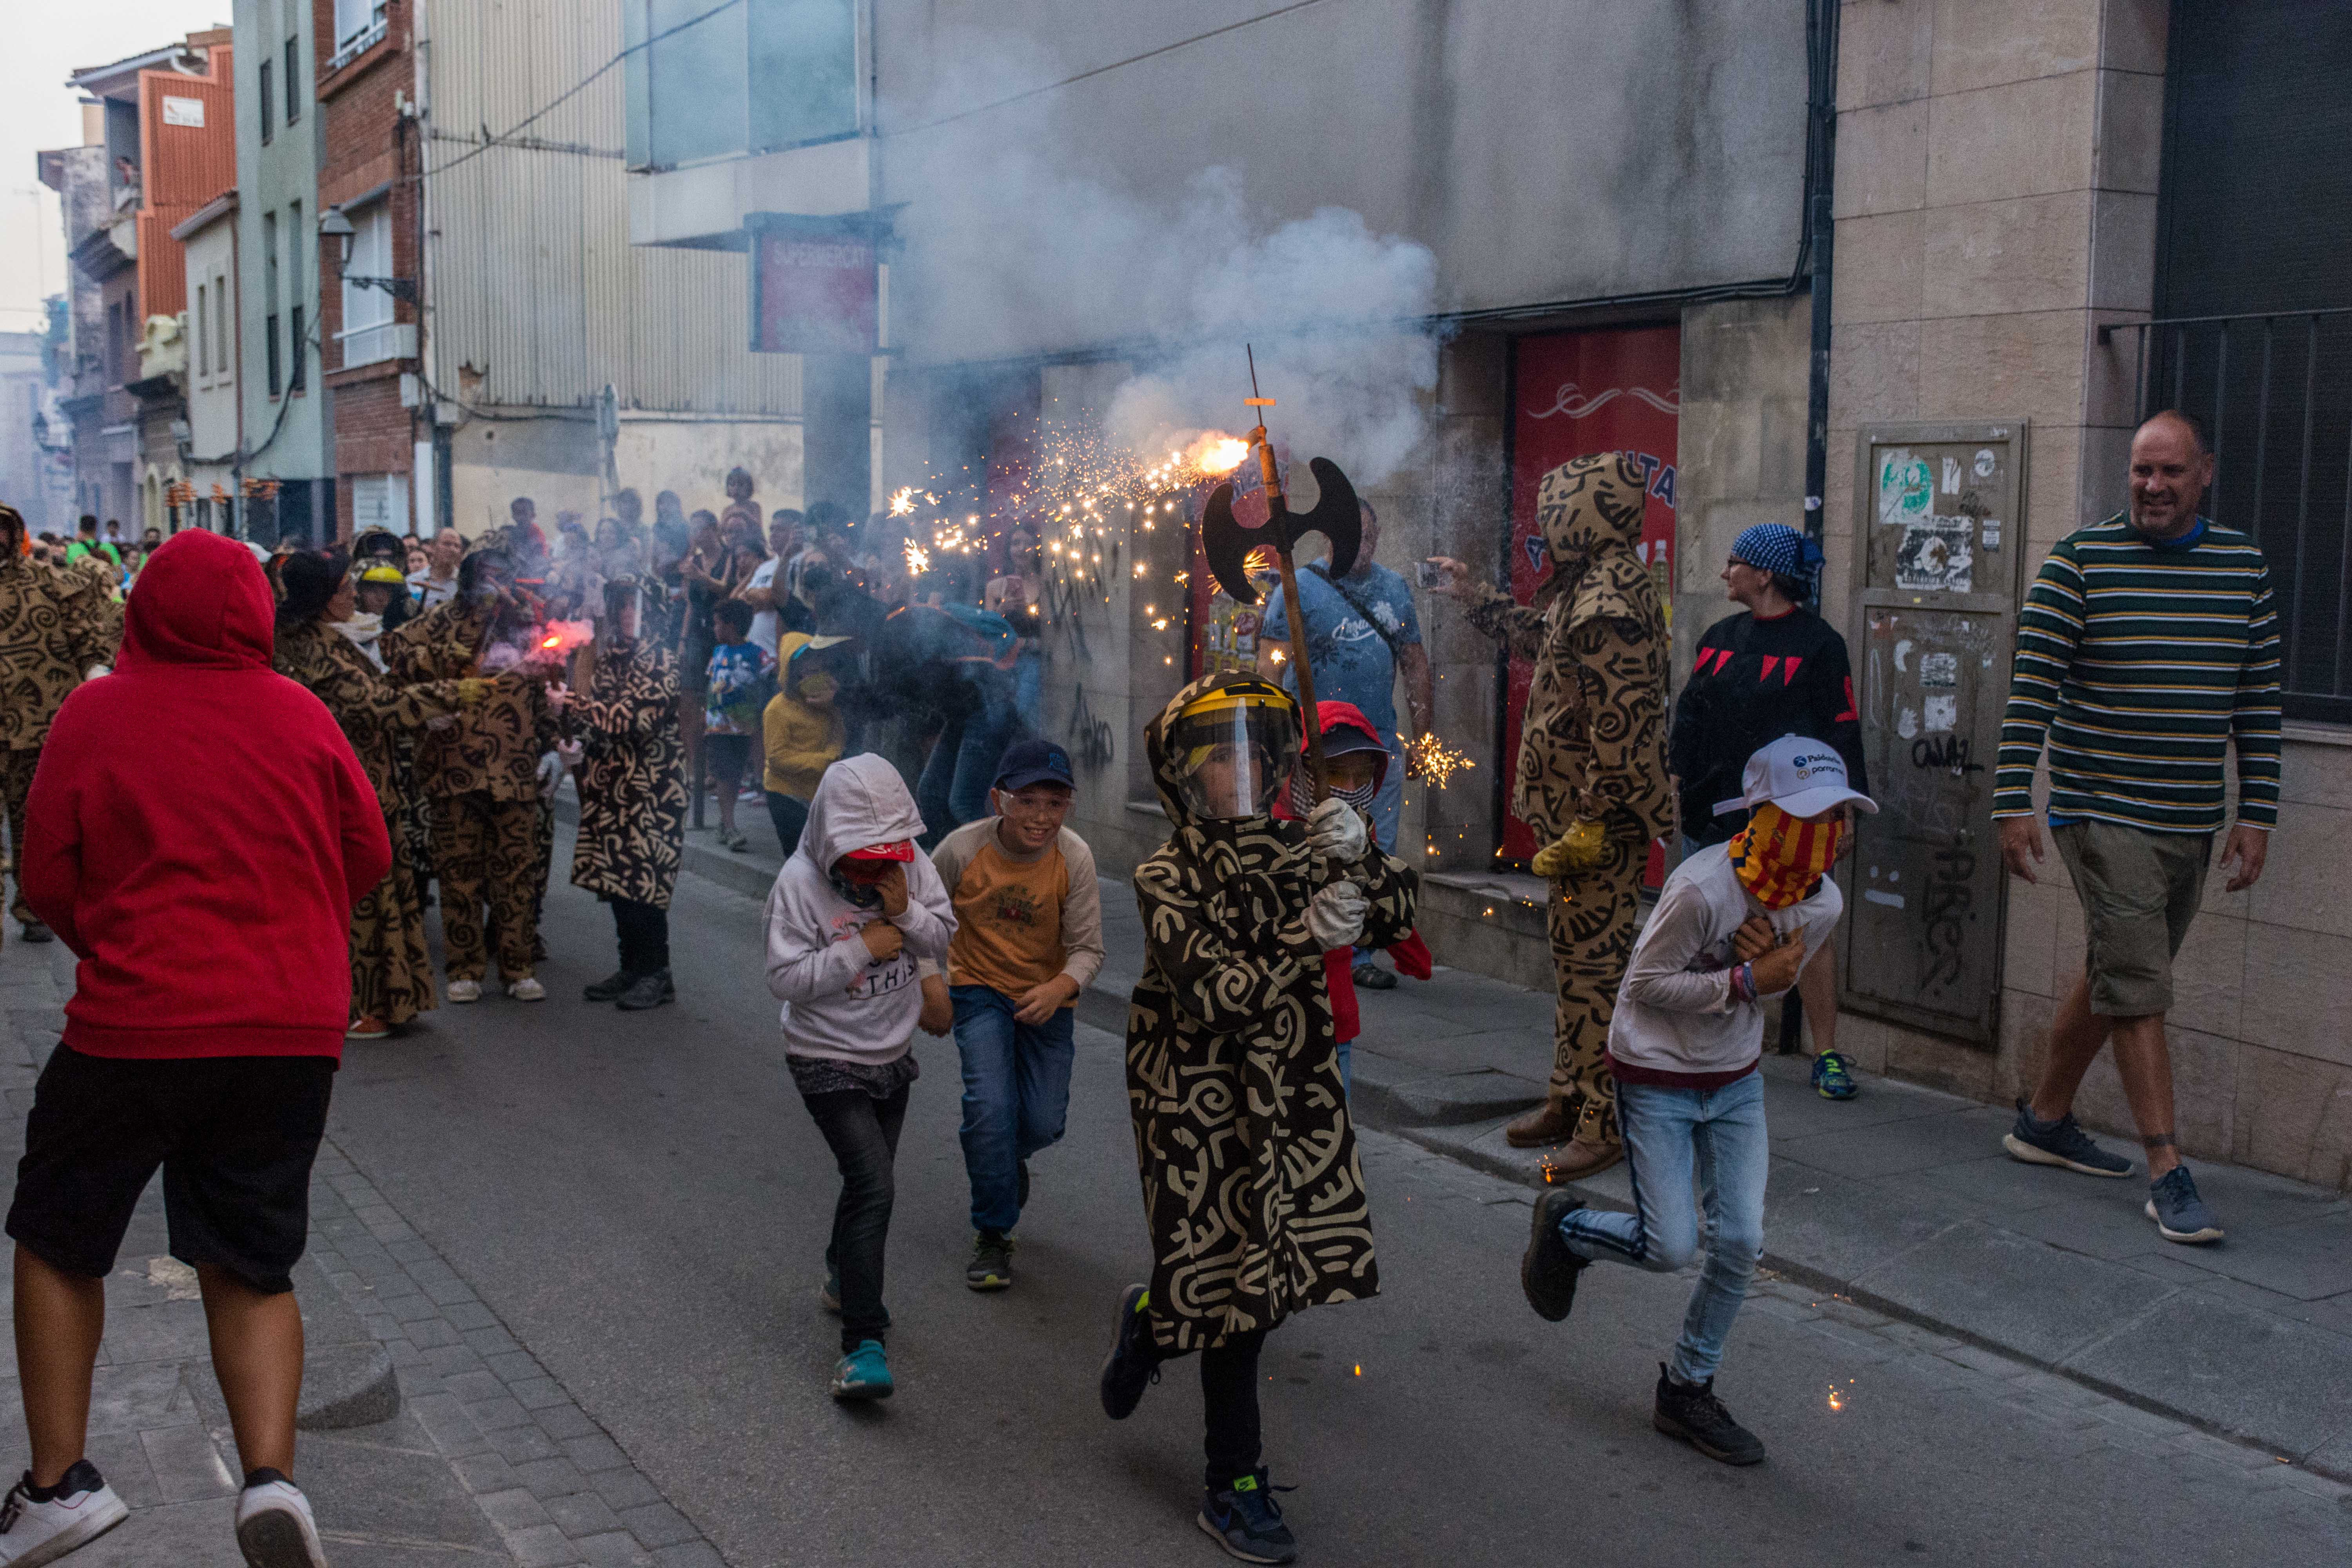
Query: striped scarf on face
[1779,857]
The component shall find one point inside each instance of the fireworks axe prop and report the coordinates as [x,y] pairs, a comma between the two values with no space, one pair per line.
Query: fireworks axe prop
[1227,545]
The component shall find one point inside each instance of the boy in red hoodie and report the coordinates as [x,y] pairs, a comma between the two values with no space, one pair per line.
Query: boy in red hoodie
[209,914]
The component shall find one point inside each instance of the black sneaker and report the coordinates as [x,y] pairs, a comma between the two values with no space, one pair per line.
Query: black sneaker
[608,989]
[35,931]
[2179,1213]
[646,992]
[1247,1521]
[1133,1365]
[2061,1144]
[1695,1415]
[990,1268]
[1549,1270]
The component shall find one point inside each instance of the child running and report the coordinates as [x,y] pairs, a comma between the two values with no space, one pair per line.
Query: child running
[1733,926]
[804,729]
[739,669]
[1251,1184]
[852,913]
[1028,938]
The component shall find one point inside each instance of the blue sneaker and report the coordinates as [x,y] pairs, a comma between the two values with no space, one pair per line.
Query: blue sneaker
[2061,1144]
[1832,1079]
[2179,1213]
[863,1374]
[1247,1521]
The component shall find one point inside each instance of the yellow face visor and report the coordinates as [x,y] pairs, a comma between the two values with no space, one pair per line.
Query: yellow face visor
[1233,748]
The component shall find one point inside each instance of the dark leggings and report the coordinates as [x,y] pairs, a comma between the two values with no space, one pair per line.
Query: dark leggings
[1229,1405]
[863,1132]
[790,815]
[643,931]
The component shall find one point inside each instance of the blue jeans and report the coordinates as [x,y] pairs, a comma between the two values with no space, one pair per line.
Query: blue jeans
[961,767]
[1016,1096]
[1671,1133]
[1387,807]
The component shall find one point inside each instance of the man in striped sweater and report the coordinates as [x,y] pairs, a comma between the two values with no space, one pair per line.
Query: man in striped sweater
[2146,645]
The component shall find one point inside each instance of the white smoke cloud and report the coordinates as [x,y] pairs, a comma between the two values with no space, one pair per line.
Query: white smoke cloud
[1013,251]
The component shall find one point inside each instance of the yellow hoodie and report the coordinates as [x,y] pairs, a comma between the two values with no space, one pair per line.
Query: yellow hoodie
[799,739]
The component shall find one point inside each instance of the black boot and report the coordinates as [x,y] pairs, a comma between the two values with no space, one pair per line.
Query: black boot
[35,931]
[610,988]
[1548,1270]
[647,992]
[1692,1412]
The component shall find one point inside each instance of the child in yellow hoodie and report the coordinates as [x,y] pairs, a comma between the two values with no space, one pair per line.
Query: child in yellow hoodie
[802,730]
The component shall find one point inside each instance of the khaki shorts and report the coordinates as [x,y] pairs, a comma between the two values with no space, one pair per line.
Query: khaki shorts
[2139,891]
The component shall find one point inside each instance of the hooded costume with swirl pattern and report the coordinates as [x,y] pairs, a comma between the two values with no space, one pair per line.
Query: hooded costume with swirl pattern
[1251,1183]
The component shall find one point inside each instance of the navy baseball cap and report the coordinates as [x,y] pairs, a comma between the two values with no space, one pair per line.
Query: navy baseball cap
[1026,762]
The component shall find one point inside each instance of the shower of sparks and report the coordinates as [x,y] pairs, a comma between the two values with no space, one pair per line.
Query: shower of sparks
[1837,1398]
[919,560]
[1433,761]
[902,502]
[557,639]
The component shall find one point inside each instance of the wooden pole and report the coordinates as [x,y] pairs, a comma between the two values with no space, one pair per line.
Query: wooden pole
[1311,718]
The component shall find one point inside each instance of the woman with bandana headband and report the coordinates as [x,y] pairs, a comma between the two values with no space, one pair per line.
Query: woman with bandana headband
[1775,668]
[1734,925]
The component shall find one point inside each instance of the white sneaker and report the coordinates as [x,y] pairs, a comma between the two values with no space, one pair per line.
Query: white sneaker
[527,990]
[465,990]
[274,1527]
[84,1508]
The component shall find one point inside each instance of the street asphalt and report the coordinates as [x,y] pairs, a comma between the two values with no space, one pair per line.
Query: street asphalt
[643,1201]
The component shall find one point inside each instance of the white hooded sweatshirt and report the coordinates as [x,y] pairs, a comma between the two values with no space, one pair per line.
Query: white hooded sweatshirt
[840,1002]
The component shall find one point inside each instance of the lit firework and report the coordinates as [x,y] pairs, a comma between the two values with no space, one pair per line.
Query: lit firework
[557,640]
[1433,761]
[919,560]
[902,502]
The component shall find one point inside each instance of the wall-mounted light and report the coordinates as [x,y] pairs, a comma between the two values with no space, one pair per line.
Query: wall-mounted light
[333,225]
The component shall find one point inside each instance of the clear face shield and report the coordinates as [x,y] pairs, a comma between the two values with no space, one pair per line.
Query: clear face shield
[624,609]
[1233,750]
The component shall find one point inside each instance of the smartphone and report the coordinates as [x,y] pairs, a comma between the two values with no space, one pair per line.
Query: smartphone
[1430,572]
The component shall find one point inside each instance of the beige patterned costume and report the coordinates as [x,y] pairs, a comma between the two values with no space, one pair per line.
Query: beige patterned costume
[55,624]
[1591,750]
[1251,1183]
[632,782]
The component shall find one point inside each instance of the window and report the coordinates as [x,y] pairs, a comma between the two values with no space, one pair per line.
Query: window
[368,335]
[224,348]
[293,80]
[298,345]
[265,127]
[690,96]
[358,25]
[204,331]
[379,500]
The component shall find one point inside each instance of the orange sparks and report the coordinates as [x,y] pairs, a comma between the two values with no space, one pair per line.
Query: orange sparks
[1218,454]
[1433,761]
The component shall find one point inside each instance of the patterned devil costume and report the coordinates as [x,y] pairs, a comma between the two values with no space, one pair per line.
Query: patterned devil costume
[55,624]
[632,782]
[1591,751]
[391,974]
[480,777]
[1251,1182]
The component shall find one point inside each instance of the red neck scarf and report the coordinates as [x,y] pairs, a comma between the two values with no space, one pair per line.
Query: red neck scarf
[1778,857]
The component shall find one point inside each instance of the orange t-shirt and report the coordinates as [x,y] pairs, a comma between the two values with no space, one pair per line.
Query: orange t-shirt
[1009,921]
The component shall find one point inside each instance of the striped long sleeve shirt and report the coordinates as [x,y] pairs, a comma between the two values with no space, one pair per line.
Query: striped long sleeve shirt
[2139,663]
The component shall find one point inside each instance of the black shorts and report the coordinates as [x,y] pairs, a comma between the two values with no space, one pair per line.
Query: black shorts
[731,756]
[236,1137]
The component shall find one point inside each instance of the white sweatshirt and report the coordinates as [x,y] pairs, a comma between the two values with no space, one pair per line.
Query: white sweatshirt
[1675,1010]
[839,1002]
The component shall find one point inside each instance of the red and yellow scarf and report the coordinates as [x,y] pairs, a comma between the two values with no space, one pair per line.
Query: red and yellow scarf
[1778,857]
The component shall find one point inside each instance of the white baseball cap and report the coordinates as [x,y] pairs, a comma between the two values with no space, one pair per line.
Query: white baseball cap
[1803,777]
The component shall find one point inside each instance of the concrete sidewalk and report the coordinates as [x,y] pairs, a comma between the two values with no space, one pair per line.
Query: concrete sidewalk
[1901,1200]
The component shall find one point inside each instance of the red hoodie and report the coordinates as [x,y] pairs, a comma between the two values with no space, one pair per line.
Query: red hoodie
[198,830]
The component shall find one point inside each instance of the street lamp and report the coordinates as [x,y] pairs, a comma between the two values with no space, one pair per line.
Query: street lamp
[334,226]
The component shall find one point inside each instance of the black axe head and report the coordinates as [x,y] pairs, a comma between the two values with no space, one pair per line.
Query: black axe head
[1226,543]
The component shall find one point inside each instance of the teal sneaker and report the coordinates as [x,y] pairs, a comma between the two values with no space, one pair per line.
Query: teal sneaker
[863,1374]
[1831,1078]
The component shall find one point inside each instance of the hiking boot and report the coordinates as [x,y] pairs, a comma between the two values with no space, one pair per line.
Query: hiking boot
[1247,1521]
[1694,1413]
[608,989]
[1832,1078]
[1547,1123]
[463,990]
[2061,1142]
[1133,1365]
[990,1268]
[647,992]
[1547,1271]
[1585,1157]
[863,1374]
[274,1527]
[2179,1213]
[1370,976]
[526,989]
[37,932]
[79,1510]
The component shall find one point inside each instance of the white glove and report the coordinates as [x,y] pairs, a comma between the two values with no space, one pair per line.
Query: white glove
[551,774]
[1335,830]
[1336,918]
[96,670]
[440,722]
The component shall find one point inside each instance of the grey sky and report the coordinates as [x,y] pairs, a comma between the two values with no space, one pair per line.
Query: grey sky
[46,43]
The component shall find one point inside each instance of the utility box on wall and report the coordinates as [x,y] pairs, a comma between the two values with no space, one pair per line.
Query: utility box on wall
[1939,570]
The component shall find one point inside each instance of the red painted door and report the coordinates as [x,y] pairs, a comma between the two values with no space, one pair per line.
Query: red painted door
[1615,389]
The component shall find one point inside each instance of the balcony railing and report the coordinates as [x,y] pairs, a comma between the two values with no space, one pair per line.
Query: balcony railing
[2274,391]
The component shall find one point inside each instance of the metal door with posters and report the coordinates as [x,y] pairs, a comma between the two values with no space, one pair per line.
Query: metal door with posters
[1615,389]
[1938,579]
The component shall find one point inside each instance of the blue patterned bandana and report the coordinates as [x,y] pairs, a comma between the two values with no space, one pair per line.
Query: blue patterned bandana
[1777,548]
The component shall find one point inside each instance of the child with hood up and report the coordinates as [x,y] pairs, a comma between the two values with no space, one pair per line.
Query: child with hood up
[853,912]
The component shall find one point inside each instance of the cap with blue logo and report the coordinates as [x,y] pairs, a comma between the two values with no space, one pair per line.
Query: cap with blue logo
[1803,777]
[1027,763]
